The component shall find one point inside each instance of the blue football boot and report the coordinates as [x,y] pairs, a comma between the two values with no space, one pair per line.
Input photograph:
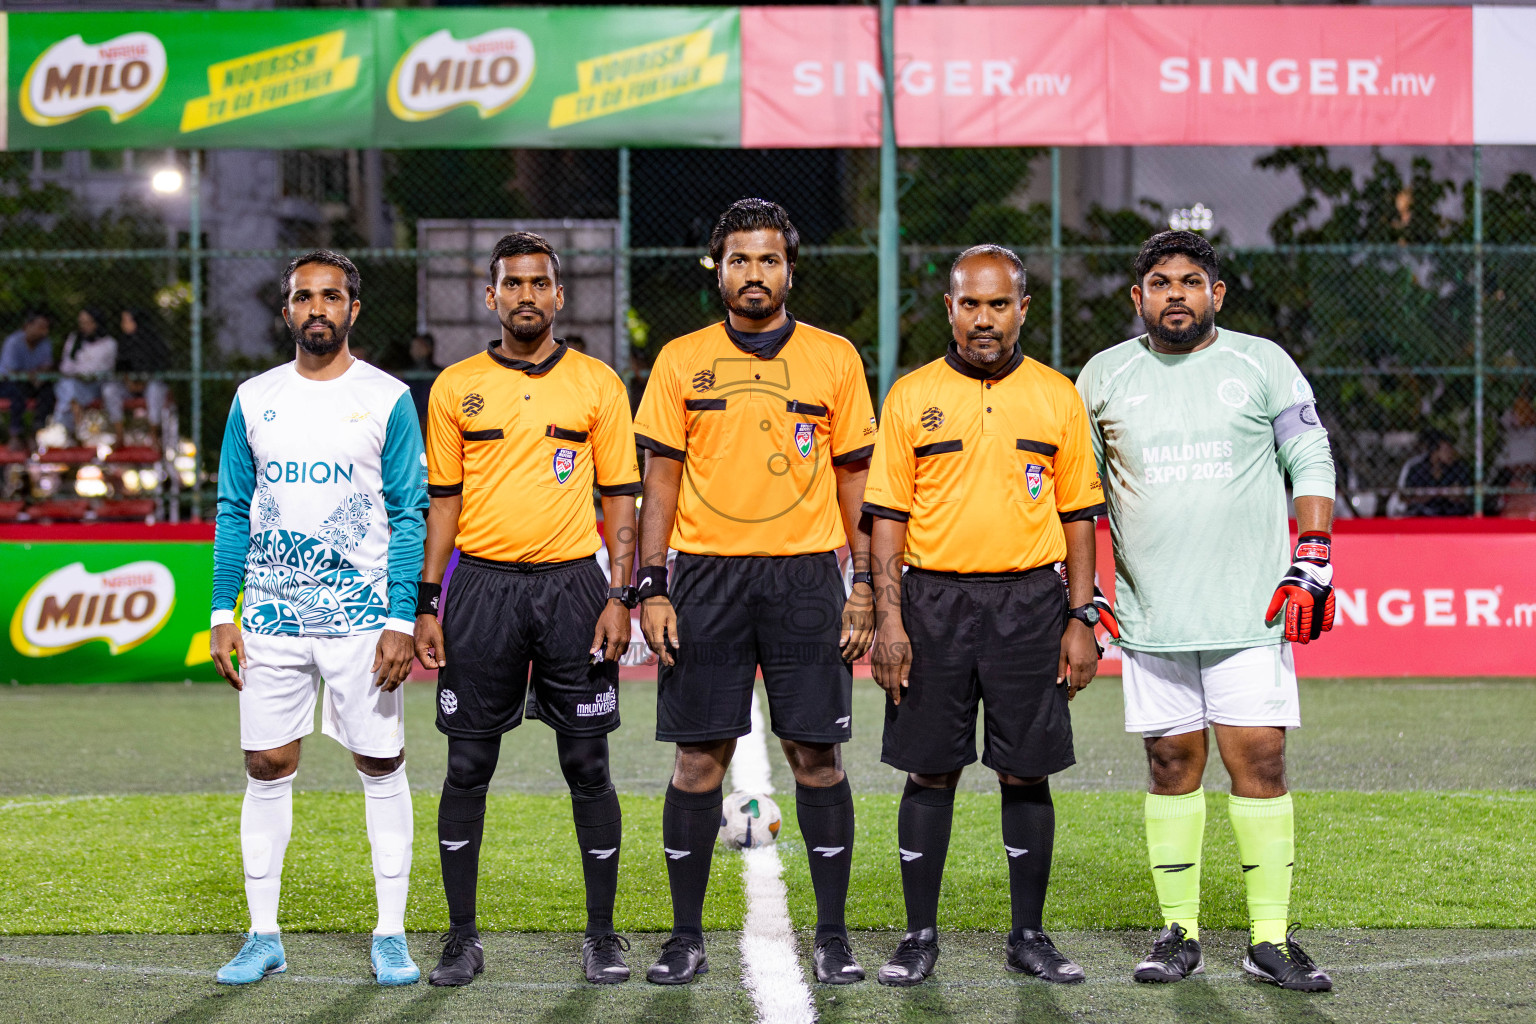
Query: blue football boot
[392,963]
[260,956]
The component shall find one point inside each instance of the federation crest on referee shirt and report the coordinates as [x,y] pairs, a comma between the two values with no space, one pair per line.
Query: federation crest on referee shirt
[565,462]
[805,433]
[1034,479]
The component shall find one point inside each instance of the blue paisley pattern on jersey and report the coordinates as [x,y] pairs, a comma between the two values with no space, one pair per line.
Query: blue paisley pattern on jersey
[345,528]
[300,585]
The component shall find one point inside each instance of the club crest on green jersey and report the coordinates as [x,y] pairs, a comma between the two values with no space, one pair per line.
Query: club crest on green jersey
[564,464]
[805,434]
[1034,479]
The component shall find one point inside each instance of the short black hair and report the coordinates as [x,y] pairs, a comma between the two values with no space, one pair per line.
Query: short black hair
[754,215]
[425,336]
[36,314]
[988,249]
[1166,244]
[522,243]
[329,258]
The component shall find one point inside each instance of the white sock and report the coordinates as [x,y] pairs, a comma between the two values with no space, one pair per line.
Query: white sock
[266,822]
[391,826]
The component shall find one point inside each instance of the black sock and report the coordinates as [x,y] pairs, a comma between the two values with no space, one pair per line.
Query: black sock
[599,829]
[690,823]
[1029,835]
[922,834]
[460,826]
[826,824]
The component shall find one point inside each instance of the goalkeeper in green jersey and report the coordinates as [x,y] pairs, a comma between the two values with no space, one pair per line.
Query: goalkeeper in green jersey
[1194,429]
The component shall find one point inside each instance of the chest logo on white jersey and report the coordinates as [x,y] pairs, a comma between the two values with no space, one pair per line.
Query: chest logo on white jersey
[269,415]
[1232,392]
[564,464]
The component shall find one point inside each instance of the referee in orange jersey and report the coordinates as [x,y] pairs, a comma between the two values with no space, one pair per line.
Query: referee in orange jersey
[983,479]
[516,438]
[759,431]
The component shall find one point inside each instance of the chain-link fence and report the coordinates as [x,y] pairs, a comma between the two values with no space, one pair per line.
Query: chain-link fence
[1405,286]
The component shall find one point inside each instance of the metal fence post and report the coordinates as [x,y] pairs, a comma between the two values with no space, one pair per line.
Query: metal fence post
[1056,257]
[621,358]
[889,245]
[195,246]
[1477,330]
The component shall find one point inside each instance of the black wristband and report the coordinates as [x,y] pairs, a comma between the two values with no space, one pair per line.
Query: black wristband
[427,595]
[862,577]
[651,581]
[1314,546]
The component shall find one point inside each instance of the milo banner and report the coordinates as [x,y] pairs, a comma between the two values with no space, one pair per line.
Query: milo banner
[518,76]
[557,77]
[105,605]
[184,80]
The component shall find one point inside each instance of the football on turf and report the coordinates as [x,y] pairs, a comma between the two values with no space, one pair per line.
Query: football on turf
[748,820]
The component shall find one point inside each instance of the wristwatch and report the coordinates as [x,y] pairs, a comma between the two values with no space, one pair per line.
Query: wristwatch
[627,596]
[862,577]
[1087,614]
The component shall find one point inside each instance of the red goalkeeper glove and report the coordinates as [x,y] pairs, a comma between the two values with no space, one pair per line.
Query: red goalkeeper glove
[1306,592]
[1106,613]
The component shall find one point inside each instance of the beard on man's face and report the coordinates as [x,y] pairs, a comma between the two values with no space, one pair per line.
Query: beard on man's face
[525,328]
[1185,337]
[757,306]
[975,355]
[322,344]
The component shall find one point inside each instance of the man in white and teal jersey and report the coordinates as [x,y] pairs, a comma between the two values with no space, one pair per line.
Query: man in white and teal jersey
[1195,429]
[322,501]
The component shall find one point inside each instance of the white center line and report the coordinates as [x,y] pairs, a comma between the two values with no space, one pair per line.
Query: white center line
[770,966]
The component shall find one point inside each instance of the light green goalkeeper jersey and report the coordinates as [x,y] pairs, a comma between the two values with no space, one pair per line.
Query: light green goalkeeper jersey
[1192,450]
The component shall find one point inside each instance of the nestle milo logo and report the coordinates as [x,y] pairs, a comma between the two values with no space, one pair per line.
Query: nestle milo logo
[438,73]
[121,76]
[122,607]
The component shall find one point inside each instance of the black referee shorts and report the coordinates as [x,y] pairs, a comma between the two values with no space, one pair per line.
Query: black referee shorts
[500,619]
[784,613]
[982,637]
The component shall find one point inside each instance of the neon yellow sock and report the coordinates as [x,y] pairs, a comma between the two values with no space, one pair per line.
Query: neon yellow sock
[1175,832]
[1266,844]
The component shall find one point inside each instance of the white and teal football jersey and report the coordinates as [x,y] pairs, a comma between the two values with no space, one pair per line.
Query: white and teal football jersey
[322,496]
[1192,452]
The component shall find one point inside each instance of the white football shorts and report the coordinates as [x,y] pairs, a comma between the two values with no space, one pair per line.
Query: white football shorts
[282,677]
[1174,692]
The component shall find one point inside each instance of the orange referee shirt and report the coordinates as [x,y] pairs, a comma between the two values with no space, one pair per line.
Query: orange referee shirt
[524,444]
[984,468]
[758,436]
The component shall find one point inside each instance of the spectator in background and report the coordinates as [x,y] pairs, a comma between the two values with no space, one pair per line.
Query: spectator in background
[28,351]
[358,351]
[423,347]
[140,350]
[577,342]
[1439,465]
[1516,464]
[88,351]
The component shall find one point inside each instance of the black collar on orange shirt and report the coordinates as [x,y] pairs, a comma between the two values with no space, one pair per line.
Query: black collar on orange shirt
[763,344]
[960,366]
[522,364]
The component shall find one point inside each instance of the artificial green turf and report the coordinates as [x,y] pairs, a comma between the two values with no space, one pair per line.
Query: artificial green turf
[1358,734]
[171,864]
[1381,977]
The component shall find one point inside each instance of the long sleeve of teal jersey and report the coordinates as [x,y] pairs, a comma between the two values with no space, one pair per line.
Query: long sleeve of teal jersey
[1309,461]
[404,469]
[232,526]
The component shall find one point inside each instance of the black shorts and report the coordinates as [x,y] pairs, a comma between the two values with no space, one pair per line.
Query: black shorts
[784,613]
[500,619]
[991,637]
